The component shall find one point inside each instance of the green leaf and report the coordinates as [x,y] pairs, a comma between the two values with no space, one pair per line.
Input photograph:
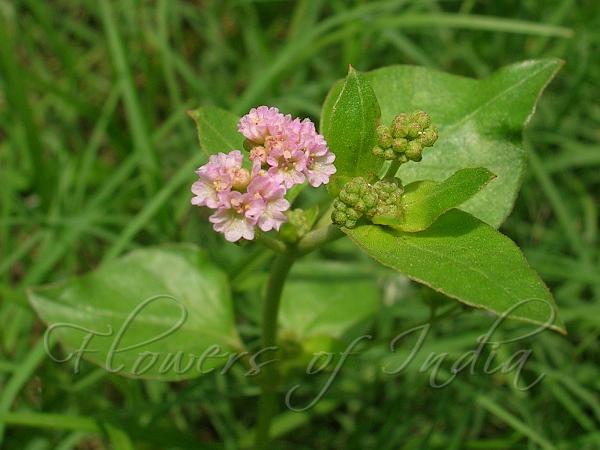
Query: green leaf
[326,299]
[217,130]
[480,121]
[350,116]
[169,301]
[424,201]
[465,259]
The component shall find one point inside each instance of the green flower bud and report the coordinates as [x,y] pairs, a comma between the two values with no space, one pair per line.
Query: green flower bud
[353,214]
[399,145]
[377,151]
[297,218]
[349,206]
[400,126]
[338,204]
[389,154]
[360,206]
[388,210]
[339,217]
[370,200]
[389,192]
[371,212]
[345,197]
[356,185]
[349,198]
[387,185]
[408,128]
[422,118]
[344,219]
[300,222]
[384,136]
[396,196]
[414,130]
[382,198]
[429,137]
[414,151]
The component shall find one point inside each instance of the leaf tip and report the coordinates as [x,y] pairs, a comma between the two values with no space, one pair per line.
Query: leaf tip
[491,176]
[193,113]
[353,73]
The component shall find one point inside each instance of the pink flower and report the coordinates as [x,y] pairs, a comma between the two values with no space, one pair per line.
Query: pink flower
[319,164]
[315,145]
[319,160]
[268,202]
[294,130]
[232,218]
[308,131]
[217,177]
[261,122]
[289,164]
[258,155]
[290,148]
[320,168]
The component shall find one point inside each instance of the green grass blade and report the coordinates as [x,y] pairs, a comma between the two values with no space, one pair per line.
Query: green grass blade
[139,130]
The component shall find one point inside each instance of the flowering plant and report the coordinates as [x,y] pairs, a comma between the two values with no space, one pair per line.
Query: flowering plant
[420,168]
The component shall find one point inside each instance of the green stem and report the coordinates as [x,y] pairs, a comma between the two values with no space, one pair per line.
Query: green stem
[318,238]
[274,244]
[267,403]
[325,219]
[268,398]
[393,169]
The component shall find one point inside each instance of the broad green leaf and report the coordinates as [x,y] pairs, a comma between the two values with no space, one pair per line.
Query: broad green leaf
[348,124]
[480,123]
[424,201]
[468,260]
[150,314]
[217,130]
[326,299]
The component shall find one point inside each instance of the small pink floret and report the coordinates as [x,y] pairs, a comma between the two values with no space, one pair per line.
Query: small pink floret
[261,122]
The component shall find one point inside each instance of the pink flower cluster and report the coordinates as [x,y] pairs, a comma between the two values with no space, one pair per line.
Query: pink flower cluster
[283,152]
[290,148]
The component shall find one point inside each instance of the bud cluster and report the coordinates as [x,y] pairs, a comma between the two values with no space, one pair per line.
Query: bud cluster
[389,195]
[405,139]
[358,198]
[300,222]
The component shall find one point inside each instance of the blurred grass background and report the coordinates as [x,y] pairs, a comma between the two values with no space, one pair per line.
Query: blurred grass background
[97,155]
